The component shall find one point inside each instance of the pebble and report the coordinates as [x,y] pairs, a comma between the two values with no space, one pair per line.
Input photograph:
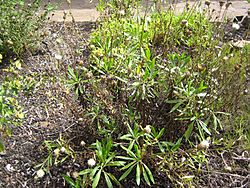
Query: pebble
[9,168]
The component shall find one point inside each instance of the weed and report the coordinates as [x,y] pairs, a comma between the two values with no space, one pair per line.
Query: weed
[10,110]
[105,159]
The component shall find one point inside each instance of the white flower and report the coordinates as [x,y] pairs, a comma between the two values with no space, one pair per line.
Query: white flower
[80,119]
[204,144]
[183,159]
[75,175]
[82,143]
[91,162]
[147,129]
[236,26]
[225,58]
[40,173]
[63,149]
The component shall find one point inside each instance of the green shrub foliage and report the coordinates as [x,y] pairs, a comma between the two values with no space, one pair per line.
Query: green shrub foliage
[20,21]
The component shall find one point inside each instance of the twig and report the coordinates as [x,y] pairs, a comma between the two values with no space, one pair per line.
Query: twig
[224,173]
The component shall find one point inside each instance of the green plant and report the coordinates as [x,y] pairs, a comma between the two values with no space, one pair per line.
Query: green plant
[10,110]
[75,81]
[59,151]
[105,160]
[158,69]
[136,162]
[20,23]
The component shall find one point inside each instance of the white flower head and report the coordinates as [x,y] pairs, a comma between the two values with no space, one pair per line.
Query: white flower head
[225,58]
[40,173]
[236,26]
[63,149]
[147,129]
[204,144]
[228,168]
[82,143]
[75,175]
[91,162]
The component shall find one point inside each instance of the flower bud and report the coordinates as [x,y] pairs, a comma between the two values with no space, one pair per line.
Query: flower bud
[40,173]
[82,143]
[207,2]
[203,145]
[147,129]
[184,23]
[63,149]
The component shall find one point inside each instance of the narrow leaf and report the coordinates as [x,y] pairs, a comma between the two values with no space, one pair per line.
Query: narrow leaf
[149,173]
[69,180]
[125,174]
[138,174]
[96,179]
[108,181]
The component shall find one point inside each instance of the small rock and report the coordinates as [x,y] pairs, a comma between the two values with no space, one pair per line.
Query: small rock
[58,56]
[9,168]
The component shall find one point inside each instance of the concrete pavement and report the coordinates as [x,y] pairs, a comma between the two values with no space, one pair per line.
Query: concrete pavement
[84,10]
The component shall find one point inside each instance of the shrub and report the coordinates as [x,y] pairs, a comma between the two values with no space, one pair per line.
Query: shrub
[20,23]
[157,71]
[163,74]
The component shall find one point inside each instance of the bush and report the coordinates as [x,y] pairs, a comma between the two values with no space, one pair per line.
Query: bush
[156,80]
[20,23]
[166,75]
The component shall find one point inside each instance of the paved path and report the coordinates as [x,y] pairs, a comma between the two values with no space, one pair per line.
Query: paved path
[83,10]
